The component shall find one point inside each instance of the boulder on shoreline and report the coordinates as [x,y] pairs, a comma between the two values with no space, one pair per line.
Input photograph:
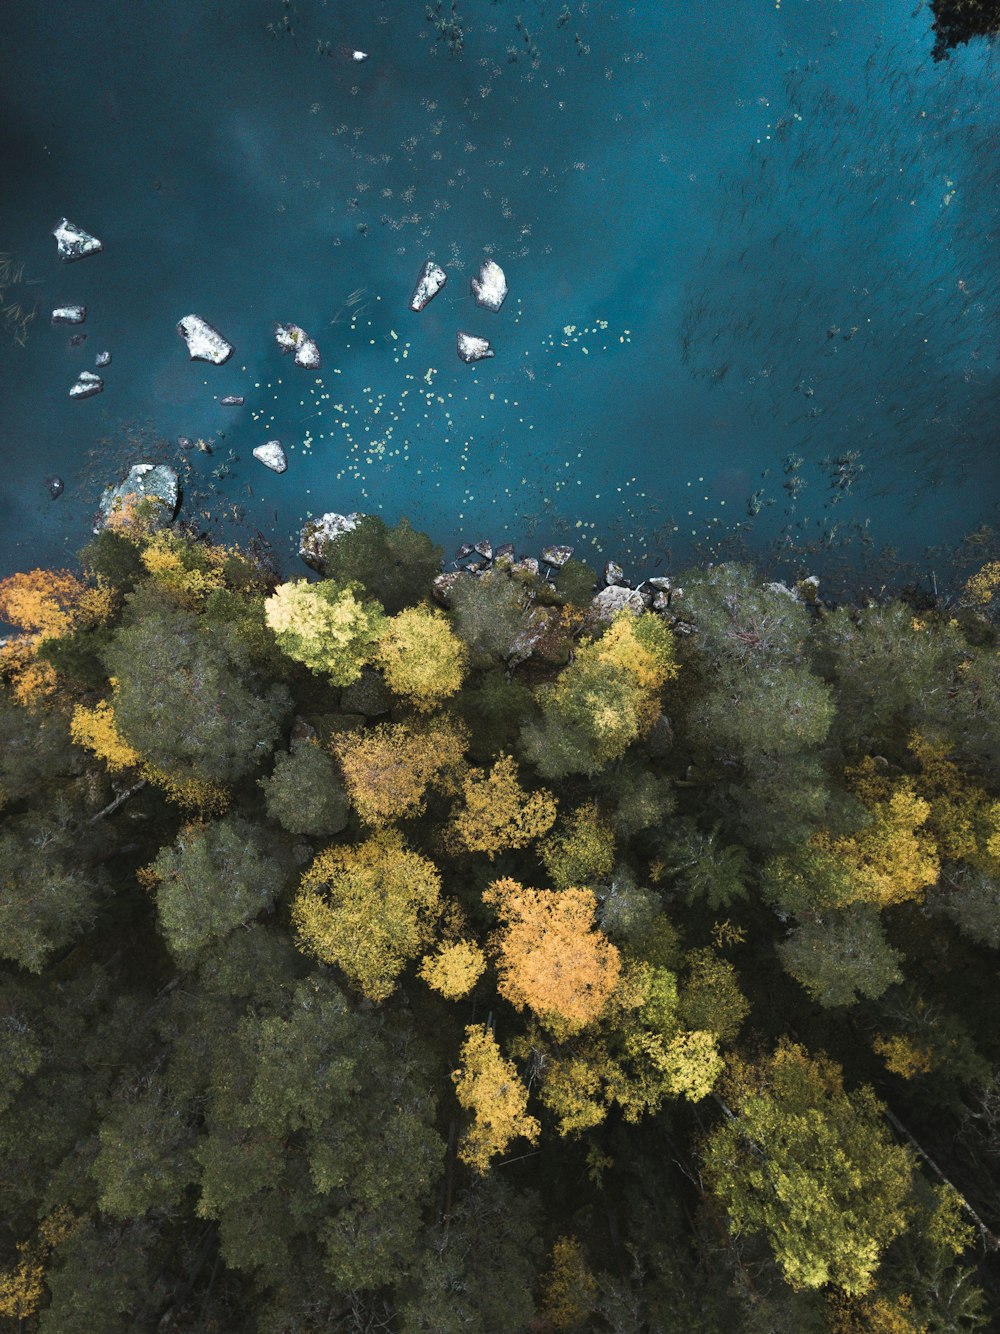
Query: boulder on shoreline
[203,342]
[610,601]
[73,241]
[557,556]
[293,338]
[432,278]
[271,455]
[316,533]
[472,348]
[144,481]
[490,288]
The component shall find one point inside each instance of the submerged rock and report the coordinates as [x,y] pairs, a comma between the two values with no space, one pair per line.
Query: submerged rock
[145,481]
[69,314]
[432,279]
[102,359]
[78,340]
[87,385]
[490,288]
[271,455]
[232,401]
[73,241]
[557,556]
[466,549]
[316,533]
[55,486]
[203,342]
[471,348]
[293,338]
[185,442]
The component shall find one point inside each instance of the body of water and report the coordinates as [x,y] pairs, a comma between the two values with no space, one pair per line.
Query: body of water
[752,252]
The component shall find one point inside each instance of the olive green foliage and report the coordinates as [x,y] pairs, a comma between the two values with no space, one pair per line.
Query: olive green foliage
[275,1061]
[395,566]
[305,793]
[213,878]
[188,698]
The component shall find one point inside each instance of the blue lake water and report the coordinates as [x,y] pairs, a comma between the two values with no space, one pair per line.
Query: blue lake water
[752,252]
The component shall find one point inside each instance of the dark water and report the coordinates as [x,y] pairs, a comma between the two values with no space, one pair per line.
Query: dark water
[753,266]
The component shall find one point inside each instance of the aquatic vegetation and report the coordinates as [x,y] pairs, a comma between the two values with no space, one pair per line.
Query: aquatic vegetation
[17,311]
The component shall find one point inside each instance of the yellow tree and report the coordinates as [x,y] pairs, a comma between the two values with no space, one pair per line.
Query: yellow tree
[388,769]
[44,604]
[551,958]
[454,968]
[368,908]
[487,1086]
[325,625]
[497,813]
[422,657]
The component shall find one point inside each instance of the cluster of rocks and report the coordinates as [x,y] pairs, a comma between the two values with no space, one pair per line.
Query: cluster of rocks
[489,290]
[74,243]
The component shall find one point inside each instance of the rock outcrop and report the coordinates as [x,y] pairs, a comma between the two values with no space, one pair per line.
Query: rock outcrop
[73,241]
[316,533]
[490,288]
[145,481]
[472,348]
[87,385]
[557,556]
[432,278]
[293,338]
[271,455]
[203,342]
[69,314]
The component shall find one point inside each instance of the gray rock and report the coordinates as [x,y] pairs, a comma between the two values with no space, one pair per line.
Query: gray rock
[73,241]
[293,338]
[55,487]
[316,533]
[610,601]
[525,642]
[471,348]
[232,401]
[368,695]
[444,584]
[526,565]
[145,481]
[661,601]
[102,359]
[432,278]
[271,455]
[557,556]
[185,442]
[783,589]
[490,288]
[203,342]
[504,549]
[69,314]
[661,583]
[485,549]
[466,549]
[87,385]
[613,573]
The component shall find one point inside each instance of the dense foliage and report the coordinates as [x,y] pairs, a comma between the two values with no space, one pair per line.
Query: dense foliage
[372,964]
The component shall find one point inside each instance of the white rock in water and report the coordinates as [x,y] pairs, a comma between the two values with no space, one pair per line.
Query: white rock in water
[87,385]
[102,359]
[432,279]
[471,348]
[490,288]
[359,56]
[73,241]
[291,338]
[316,533]
[203,342]
[69,314]
[271,455]
[145,481]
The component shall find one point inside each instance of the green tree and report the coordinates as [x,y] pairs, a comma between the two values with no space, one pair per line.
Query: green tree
[396,566]
[812,1167]
[841,955]
[491,615]
[305,793]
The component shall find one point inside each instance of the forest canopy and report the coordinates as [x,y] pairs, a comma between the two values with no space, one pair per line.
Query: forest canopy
[383,952]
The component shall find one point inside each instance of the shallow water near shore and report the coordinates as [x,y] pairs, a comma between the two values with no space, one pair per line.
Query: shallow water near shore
[753,268]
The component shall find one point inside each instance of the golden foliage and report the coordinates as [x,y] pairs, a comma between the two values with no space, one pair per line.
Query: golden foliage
[388,769]
[187,572]
[648,659]
[454,969]
[421,656]
[964,820]
[903,1056]
[45,603]
[368,908]
[876,1315]
[326,626]
[550,956]
[947,1230]
[191,794]
[569,1288]
[571,1089]
[984,585]
[487,1085]
[498,813]
[22,1288]
[32,681]
[96,730]
[891,859]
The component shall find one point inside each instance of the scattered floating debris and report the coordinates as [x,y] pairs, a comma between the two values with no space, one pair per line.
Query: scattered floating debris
[55,486]
[87,385]
[203,342]
[471,348]
[292,338]
[232,401]
[73,241]
[271,455]
[102,359]
[490,288]
[69,314]
[432,279]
